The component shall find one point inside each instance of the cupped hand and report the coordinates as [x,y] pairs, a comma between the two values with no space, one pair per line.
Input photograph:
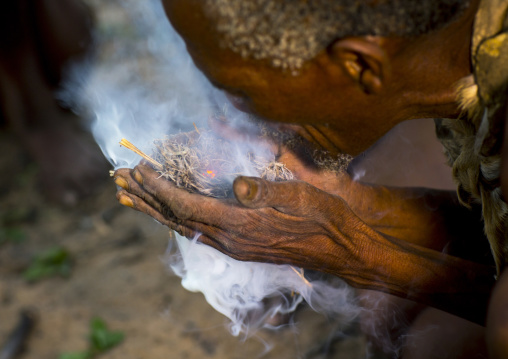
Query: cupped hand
[296,223]
[280,222]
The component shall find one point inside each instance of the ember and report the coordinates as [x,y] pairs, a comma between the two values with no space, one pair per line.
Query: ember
[210,174]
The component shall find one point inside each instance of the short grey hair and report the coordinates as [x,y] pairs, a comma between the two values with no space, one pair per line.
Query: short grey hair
[290,32]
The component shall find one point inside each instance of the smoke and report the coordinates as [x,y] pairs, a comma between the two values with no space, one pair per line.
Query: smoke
[142,85]
[250,293]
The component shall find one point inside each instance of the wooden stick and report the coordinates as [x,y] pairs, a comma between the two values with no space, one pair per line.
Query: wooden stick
[196,128]
[134,149]
[300,274]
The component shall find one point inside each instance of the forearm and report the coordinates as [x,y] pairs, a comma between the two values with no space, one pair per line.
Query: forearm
[393,266]
[426,217]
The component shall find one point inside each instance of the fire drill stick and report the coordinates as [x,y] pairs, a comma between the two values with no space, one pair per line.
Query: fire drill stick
[134,149]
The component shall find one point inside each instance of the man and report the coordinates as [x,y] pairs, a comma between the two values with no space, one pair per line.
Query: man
[346,72]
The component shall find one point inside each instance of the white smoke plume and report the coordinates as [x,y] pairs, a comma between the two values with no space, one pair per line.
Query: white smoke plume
[142,85]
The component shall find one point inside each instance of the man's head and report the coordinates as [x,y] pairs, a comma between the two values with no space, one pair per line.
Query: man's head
[290,32]
[351,87]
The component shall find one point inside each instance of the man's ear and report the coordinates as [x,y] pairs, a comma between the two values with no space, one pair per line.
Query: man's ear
[362,59]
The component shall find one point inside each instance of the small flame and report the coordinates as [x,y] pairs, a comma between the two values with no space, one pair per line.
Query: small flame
[210,174]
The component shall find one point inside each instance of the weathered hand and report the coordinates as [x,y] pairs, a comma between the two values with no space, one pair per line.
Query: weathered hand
[296,223]
[285,222]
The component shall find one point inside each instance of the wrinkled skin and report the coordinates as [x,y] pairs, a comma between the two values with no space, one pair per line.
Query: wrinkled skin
[240,219]
[344,99]
[290,227]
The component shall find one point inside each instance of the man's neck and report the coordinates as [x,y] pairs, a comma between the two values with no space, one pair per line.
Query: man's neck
[436,62]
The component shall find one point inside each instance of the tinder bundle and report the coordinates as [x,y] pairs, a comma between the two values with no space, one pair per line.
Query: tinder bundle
[204,164]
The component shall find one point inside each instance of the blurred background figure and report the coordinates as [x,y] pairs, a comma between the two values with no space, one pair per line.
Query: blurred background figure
[39,39]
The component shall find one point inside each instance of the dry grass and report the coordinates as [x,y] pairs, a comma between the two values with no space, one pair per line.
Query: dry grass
[204,164]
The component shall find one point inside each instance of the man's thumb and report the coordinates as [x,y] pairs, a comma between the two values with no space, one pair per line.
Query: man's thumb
[253,192]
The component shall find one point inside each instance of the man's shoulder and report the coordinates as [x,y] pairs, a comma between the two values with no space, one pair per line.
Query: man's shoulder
[491,18]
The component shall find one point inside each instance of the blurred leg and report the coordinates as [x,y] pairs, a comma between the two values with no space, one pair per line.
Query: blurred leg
[435,334]
[38,39]
[497,319]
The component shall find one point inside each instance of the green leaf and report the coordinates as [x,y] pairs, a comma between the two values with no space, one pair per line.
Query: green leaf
[12,234]
[55,261]
[101,338]
[77,355]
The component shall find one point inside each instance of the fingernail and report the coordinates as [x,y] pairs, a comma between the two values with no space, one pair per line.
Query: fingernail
[137,176]
[246,188]
[253,189]
[126,201]
[122,183]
